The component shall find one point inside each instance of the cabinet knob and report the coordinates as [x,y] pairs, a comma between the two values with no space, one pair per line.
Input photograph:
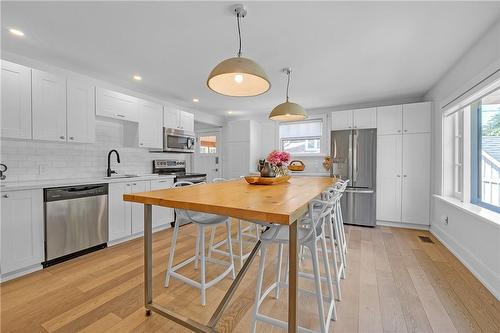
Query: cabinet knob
[119,115]
[141,144]
[134,184]
[61,137]
[398,175]
[406,130]
[405,176]
[5,195]
[128,184]
[399,131]
[72,138]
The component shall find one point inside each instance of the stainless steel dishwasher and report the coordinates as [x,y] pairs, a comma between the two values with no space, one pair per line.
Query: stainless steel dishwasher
[76,221]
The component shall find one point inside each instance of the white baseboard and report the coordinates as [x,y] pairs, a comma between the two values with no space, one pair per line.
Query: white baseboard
[137,235]
[402,225]
[471,262]
[20,272]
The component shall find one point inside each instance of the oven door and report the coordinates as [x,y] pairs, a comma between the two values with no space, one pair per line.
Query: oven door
[179,141]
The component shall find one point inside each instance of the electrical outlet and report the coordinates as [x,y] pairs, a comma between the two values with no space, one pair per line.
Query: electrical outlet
[42,169]
[445,220]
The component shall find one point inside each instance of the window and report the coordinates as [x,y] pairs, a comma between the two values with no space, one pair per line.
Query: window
[208,144]
[458,126]
[301,137]
[485,149]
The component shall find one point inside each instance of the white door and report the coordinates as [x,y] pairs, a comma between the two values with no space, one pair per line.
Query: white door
[186,121]
[49,106]
[417,118]
[119,211]
[16,101]
[80,112]
[389,119]
[150,125]
[389,177]
[207,154]
[162,215]
[342,120]
[138,209]
[416,175]
[365,118]
[170,117]
[22,230]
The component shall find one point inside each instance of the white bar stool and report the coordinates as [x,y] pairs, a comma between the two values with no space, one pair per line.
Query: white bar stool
[340,187]
[307,237]
[202,220]
[251,231]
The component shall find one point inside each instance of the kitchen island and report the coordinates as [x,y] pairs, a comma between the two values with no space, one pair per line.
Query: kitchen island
[281,204]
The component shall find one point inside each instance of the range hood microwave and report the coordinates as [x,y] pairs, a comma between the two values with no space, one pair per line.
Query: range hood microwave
[177,141]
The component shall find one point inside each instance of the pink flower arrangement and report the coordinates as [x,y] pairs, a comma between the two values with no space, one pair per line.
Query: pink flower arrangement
[278,158]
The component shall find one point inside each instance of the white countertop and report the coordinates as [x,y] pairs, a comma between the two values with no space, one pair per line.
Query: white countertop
[46,183]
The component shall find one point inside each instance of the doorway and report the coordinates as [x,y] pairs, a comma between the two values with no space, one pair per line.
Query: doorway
[207,155]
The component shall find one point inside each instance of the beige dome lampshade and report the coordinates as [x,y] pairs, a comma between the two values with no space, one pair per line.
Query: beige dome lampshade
[288,111]
[238,76]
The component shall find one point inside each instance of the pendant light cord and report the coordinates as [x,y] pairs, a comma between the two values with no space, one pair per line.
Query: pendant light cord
[288,72]
[239,33]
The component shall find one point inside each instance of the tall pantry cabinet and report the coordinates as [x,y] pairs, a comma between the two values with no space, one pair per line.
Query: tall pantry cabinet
[403,163]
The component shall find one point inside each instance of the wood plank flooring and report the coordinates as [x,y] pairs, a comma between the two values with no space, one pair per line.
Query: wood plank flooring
[395,283]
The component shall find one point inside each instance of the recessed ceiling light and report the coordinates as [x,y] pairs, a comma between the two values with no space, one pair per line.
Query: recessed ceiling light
[196,100]
[229,112]
[137,77]
[16,32]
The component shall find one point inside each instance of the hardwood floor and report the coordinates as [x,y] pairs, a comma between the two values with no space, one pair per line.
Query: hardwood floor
[395,283]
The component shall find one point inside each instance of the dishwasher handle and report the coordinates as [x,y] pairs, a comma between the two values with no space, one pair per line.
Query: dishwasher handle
[74,192]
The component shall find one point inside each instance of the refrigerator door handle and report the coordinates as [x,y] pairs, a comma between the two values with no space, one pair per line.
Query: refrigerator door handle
[354,157]
[349,159]
[359,191]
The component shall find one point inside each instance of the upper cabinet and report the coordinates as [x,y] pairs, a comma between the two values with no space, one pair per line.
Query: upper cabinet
[115,105]
[354,119]
[80,112]
[406,118]
[417,118]
[49,106]
[150,124]
[173,118]
[389,119]
[16,101]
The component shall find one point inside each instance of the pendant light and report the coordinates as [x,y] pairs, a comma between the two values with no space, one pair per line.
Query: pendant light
[288,111]
[238,76]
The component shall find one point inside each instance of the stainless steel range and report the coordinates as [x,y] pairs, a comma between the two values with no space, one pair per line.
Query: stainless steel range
[178,169]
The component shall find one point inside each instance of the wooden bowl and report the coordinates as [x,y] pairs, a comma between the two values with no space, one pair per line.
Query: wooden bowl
[258,180]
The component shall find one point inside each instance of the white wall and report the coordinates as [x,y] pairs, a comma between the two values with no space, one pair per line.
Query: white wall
[472,239]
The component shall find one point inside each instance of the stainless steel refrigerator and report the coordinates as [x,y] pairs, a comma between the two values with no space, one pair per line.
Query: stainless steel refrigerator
[354,157]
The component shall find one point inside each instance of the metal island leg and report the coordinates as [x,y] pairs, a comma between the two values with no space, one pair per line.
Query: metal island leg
[293,277]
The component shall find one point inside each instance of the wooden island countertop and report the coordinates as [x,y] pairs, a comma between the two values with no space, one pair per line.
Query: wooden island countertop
[282,203]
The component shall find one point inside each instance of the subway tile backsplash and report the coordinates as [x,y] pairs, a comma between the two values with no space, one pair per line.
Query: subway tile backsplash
[37,160]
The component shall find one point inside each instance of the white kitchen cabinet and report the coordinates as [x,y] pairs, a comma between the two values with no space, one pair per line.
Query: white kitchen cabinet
[22,234]
[186,121]
[125,218]
[150,124]
[364,118]
[416,178]
[16,101]
[417,118]
[389,119]
[162,215]
[243,148]
[341,120]
[116,105]
[389,165]
[80,112]
[178,119]
[354,119]
[48,106]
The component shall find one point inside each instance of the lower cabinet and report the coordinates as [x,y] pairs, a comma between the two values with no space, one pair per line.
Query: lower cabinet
[126,219]
[22,228]
[162,215]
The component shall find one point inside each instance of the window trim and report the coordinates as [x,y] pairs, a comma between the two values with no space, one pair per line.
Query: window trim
[323,137]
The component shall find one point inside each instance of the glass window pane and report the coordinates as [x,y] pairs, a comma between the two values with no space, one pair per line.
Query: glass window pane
[489,168]
[302,129]
[208,144]
[301,146]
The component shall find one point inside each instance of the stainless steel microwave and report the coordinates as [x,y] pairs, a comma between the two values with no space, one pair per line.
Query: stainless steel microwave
[178,140]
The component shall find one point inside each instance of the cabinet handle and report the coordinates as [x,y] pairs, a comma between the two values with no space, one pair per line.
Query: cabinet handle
[6,196]
[398,176]
[141,144]
[128,184]
[406,130]
[405,176]
[61,137]
[120,115]
[134,184]
[72,138]
[399,131]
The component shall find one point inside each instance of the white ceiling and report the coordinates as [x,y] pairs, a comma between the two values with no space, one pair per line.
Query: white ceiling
[341,53]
